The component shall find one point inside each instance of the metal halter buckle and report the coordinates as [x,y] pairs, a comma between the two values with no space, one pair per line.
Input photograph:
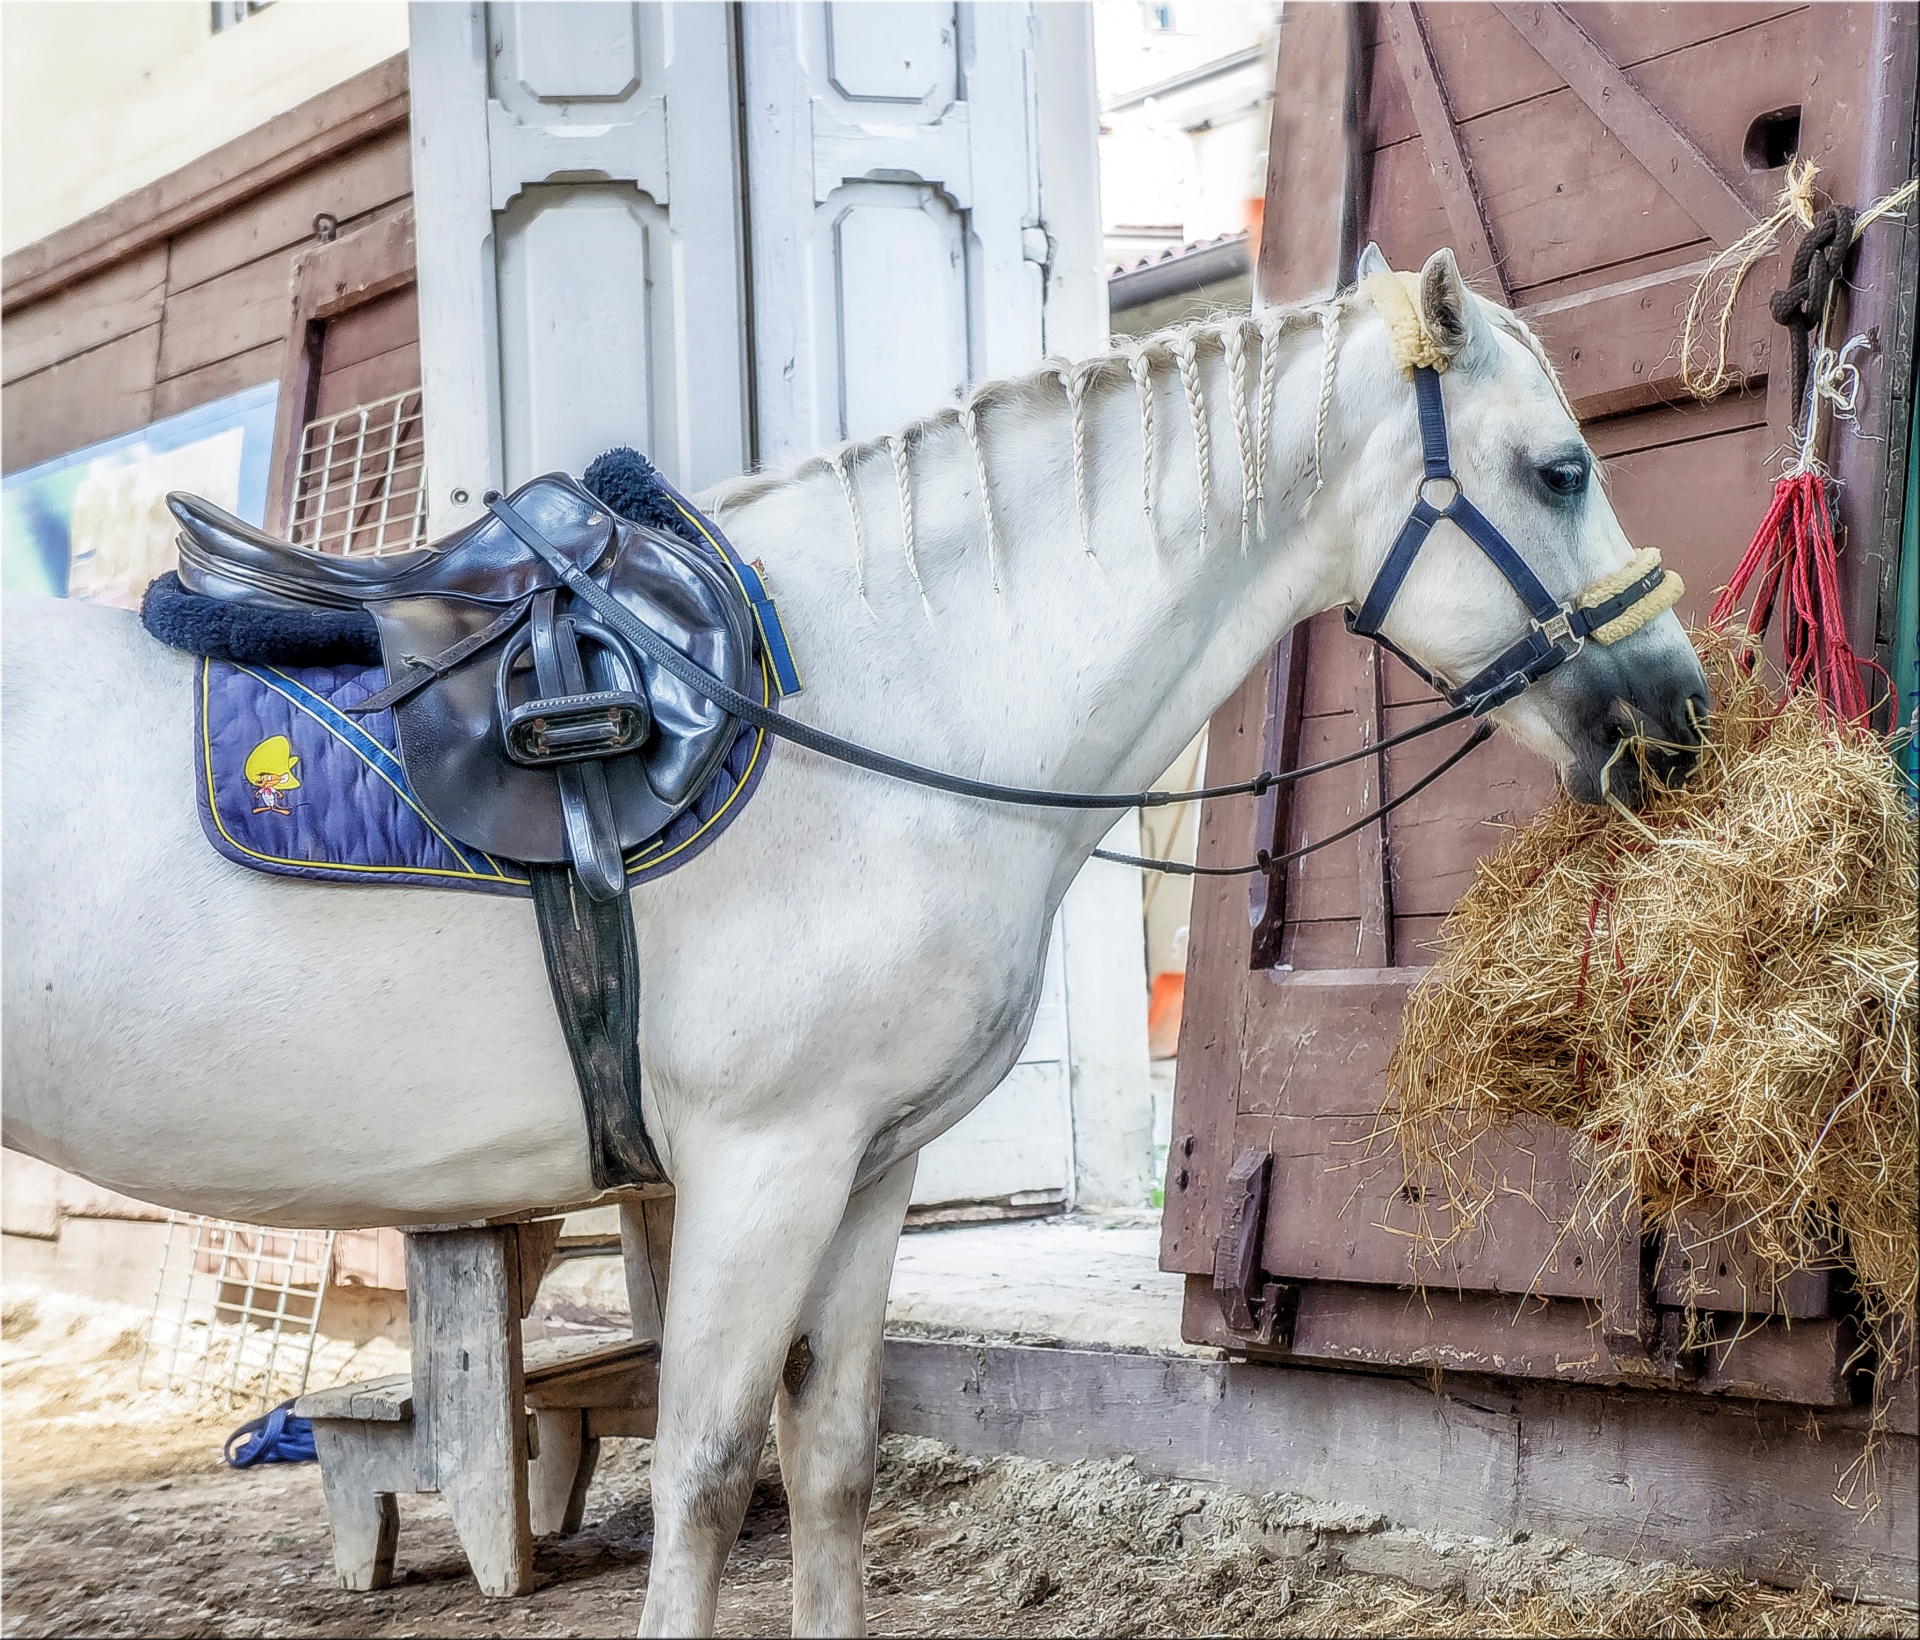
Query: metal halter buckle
[1557,629]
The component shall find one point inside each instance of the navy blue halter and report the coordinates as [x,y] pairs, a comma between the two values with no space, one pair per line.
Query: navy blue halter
[1558,632]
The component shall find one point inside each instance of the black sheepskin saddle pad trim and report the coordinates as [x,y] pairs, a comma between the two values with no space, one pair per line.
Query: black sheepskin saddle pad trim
[254,636]
[251,635]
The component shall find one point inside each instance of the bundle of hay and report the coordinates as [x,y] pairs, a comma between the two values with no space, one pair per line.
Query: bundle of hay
[1718,994]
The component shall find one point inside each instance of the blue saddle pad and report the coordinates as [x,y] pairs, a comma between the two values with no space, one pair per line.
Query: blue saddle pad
[290,784]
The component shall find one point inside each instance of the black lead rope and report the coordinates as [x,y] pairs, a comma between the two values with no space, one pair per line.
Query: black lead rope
[1266,863]
[728,699]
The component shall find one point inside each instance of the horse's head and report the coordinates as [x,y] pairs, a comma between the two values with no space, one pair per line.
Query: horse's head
[1518,457]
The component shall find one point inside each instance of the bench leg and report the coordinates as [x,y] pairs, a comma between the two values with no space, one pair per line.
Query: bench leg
[470,1426]
[361,1467]
[646,1245]
[558,1477]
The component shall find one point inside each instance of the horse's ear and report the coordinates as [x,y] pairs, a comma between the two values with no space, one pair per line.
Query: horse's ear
[1372,261]
[1446,310]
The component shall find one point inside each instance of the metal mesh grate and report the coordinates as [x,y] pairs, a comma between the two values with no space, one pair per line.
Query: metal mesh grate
[362,480]
[235,1310]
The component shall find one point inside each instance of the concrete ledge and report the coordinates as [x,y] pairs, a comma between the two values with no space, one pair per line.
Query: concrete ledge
[1636,1475]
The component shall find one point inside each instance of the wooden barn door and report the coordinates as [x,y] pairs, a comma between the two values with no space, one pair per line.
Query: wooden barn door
[1584,162]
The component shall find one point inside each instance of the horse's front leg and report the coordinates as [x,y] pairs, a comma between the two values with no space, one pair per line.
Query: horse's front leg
[829,1409]
[752,1217]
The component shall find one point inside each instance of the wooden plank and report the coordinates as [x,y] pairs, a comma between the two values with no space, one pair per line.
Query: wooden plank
[386,1400]
[1333,944]
[368,380]
[1441,835]
[1313,157]
[1708,1268]
[1376,898]
[534,1243]
[1558,1339]
[628,1422]
[362,1466]
[1377,1443]
[1273,816]
[1617,347]
[1562,192]
[1488,67]
[646,1253]
[1208,1077]
[1341,1210]
[1316,1043]
[356,188]
[1698,502]
[217,380]
[549,1359]
[470,1427]
[373,328]
[1665,151]
[1805,1363]
[341,117]
[234,313]
[1474,245]
[329,281]
[121,300]
[1859,121]
[80,400]
[1621,1472]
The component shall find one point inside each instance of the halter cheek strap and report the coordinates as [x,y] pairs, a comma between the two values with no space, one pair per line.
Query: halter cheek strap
[1605,612]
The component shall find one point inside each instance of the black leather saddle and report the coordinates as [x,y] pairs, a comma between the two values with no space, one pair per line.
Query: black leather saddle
[530,729]
[527,727]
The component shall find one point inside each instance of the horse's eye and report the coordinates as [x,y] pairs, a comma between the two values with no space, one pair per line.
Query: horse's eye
[1564,477]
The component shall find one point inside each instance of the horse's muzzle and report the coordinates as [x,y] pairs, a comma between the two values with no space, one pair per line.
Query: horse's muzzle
[1638,726]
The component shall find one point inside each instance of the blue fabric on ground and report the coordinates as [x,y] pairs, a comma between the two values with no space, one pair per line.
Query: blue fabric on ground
[279,1437]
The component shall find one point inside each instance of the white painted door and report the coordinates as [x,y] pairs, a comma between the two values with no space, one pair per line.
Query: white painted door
[901,242]
[901,250]
[919,187]
[576,179]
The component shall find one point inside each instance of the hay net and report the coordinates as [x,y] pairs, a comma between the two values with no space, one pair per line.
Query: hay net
[1717,995]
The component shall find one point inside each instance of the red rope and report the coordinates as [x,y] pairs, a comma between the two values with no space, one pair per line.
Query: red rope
[1793,558]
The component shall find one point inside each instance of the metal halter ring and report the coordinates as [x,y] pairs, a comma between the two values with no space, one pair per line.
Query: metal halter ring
[1443,478]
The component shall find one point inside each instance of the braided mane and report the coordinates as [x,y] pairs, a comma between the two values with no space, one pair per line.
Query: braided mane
[1248,344]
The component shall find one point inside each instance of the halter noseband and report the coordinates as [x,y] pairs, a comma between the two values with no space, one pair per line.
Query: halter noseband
[1559,631]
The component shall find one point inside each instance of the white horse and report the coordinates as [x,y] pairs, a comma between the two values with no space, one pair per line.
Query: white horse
[1053,585]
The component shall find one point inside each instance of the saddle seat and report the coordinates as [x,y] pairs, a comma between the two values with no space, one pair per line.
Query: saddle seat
[224,557]
[527,728]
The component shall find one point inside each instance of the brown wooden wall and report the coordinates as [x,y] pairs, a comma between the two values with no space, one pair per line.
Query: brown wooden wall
[180,293]
[1584,161]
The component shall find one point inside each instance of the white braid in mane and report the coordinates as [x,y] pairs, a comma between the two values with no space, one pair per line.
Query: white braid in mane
[1235,337]
[1251,403]
[1187,357]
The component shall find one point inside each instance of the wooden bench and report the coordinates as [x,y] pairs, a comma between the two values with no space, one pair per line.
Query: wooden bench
[507,1433]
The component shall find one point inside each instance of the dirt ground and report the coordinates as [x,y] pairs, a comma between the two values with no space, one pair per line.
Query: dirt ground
[119,1519]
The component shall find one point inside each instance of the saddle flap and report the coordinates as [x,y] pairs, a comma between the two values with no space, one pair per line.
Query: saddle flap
[452,732]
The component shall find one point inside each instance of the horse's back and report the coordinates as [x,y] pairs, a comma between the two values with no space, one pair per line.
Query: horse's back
[194,1033]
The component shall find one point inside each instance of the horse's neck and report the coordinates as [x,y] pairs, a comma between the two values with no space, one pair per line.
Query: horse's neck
[1002,646]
